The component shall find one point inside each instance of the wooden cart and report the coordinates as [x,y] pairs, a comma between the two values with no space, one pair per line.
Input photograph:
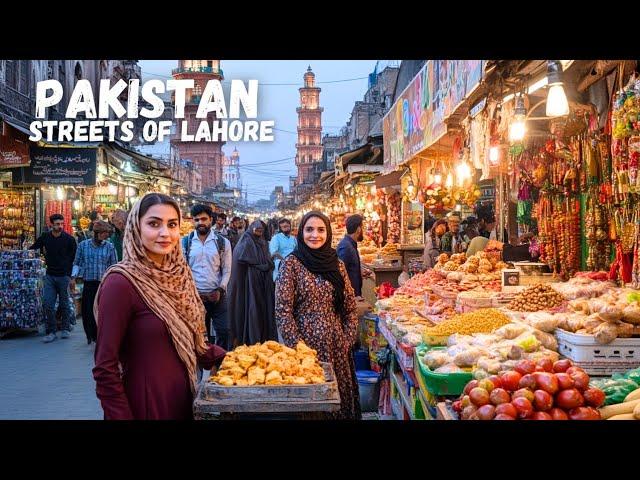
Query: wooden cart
[217,402]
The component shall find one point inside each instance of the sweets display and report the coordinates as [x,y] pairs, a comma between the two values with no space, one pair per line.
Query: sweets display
[270,363]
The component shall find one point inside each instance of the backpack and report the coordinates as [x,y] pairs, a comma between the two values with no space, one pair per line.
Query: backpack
[188,239]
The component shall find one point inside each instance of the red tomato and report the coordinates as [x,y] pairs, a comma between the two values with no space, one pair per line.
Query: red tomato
[570,398]
[594,397]
[561,365]
[558,414]
[510,380]
[507,409]
[524,407]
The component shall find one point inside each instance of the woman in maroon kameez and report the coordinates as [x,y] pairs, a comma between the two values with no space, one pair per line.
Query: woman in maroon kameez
[151,333]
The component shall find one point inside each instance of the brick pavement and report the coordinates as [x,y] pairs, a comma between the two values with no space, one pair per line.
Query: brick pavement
[48,381]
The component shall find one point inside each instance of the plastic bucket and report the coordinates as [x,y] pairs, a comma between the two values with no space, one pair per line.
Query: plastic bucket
[361,360]
[369,389]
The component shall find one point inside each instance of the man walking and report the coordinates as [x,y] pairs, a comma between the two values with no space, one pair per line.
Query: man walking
[282,244]
[119,220]
[59,253]
[348,252]
[93,258]
[232,232]
[220,220]
[209,256]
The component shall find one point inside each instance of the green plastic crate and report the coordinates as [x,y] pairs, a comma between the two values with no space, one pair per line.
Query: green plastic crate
[447,384]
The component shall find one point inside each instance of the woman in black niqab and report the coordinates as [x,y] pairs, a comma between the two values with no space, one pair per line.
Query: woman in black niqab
[251,290]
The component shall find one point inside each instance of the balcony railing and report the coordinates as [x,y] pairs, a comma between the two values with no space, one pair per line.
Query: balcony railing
[217,71]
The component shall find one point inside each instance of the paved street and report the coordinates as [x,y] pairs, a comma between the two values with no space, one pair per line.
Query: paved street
[47,381]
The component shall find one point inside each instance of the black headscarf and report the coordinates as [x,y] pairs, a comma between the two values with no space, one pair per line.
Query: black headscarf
[322,261]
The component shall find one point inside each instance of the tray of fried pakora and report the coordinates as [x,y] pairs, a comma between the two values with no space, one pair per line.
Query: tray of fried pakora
[272,372]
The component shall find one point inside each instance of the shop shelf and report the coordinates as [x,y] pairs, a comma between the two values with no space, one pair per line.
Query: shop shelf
[400,386]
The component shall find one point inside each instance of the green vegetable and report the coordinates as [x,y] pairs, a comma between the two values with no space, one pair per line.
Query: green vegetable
[633,297]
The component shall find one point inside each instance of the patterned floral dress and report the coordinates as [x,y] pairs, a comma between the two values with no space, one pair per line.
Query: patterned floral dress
[305,311]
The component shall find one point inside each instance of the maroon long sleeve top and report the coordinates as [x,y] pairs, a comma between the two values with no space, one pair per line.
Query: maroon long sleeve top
[154,383]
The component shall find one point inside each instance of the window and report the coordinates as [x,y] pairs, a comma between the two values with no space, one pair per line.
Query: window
[11,77]
[210,63]
[62,74]
[77,73]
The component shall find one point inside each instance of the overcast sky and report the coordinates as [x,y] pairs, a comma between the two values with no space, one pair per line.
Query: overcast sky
[278,103]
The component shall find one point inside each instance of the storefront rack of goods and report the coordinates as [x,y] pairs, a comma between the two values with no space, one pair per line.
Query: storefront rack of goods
[17,219]
[21,277]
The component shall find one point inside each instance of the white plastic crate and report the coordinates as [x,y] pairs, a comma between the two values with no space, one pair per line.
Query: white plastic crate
[599,359]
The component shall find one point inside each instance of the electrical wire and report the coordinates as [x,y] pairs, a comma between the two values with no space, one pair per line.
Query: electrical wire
[342,80]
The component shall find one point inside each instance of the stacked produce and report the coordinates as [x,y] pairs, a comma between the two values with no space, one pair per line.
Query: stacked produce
[393,217]
[615,314]
[584,286]
[368,254]
[270,363]
[619,387]
[489,354]
[481,321]
[389,250]
[536,297]
[542,390]
[420,283]
[480,267]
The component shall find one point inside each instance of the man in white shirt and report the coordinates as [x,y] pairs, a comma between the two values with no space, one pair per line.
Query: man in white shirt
[209,256]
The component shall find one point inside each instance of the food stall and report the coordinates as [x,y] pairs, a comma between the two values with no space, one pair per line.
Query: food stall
[268,380]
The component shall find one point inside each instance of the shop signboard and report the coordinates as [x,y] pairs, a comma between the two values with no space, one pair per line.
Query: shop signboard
[13,151]
[59,166]
[417,118]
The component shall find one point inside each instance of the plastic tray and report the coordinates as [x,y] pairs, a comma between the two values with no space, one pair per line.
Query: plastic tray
[440,383]
[599,359]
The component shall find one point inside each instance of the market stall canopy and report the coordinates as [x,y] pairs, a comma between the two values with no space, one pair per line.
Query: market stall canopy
[390,179]
[17,126]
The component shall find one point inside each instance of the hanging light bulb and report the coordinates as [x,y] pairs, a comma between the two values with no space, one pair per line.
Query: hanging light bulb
[494,155]
[373,190]
[463,172]
[557,104]
[410,188]
[517,128]
[127,167]
[449,182]
[437,179]
[76,205]
[59,193]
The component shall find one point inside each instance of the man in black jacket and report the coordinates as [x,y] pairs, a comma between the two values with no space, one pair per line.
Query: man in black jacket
[348,252]
[59,253]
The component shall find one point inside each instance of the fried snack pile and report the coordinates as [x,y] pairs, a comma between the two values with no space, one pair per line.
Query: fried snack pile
[270,363]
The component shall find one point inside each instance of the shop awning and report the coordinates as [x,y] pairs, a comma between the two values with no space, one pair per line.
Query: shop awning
[390,179]
[346,157]
[17,126]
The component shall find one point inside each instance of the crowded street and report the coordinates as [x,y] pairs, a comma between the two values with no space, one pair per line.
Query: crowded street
[409,240]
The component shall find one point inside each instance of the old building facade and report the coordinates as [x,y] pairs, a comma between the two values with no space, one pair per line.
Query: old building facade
[207,156]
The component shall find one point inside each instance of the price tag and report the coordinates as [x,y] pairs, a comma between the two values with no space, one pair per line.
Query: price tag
[510,280]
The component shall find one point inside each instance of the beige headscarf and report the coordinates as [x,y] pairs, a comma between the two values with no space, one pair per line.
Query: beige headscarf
[168,290]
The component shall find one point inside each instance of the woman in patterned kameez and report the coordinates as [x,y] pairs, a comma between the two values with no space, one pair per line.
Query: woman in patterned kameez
[316,303]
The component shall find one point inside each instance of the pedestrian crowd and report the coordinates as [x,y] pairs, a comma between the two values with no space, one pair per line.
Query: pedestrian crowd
[161,307]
